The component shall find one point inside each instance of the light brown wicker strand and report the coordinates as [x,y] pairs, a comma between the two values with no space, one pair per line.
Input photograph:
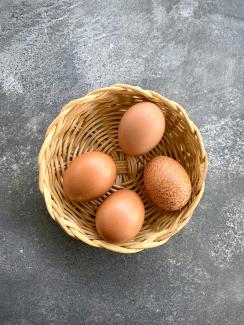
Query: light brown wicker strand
[91,123]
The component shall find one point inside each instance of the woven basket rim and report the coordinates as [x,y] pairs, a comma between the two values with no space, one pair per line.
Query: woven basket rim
[70,226]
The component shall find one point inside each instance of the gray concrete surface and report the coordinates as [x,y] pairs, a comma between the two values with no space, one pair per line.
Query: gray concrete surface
[54,51]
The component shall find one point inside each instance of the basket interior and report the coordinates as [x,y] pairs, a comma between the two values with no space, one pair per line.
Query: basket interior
[92,124]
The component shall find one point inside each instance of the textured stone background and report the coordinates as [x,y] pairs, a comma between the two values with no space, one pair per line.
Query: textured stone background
[54,51]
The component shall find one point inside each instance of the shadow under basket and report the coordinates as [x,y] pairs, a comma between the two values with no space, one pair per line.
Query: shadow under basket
[91,123]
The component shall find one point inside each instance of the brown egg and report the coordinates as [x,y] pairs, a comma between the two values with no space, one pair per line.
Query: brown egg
[141,128]
[120,217]
[167,183]
[89,176]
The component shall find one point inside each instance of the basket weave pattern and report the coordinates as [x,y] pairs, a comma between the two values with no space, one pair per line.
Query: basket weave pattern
[91,123]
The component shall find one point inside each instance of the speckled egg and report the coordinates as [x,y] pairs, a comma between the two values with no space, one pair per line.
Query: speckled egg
[167,183]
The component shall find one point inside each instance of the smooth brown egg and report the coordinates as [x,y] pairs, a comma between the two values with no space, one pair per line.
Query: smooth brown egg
[167,183]
[89,176]
[120,217]
[141,128]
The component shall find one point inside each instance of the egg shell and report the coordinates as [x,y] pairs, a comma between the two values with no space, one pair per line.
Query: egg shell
[89,176]
[141,128]
[120,217]
[167,183]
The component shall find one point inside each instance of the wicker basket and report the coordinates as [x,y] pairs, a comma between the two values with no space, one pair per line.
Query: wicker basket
[91,123]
